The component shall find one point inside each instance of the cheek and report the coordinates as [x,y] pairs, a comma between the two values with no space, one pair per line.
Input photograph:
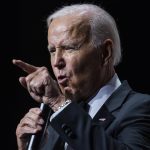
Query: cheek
[72,66]
[53,69]
[84,66]
[77,69]
[78,65]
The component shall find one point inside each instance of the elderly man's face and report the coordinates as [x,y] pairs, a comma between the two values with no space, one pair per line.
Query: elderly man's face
[74,61]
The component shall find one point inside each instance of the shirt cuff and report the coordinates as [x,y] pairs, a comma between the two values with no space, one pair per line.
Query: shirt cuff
[58,111]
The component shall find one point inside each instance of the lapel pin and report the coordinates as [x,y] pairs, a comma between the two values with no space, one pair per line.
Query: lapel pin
[102,119]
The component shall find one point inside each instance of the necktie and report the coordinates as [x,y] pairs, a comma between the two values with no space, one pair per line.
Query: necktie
[86,107]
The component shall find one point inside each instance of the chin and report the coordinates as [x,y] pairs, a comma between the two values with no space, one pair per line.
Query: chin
[69,93]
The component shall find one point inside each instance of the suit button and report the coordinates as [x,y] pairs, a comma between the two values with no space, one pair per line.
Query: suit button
[71,135]
[64,126]
[68,130]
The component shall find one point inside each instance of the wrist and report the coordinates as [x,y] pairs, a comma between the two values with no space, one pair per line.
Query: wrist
[68,101]
[59,102]
[59,109]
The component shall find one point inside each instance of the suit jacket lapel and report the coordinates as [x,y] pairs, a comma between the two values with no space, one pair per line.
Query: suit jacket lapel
[104,115]
[116,100]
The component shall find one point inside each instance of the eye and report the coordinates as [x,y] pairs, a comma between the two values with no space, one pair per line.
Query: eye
[51,50]
[70,47]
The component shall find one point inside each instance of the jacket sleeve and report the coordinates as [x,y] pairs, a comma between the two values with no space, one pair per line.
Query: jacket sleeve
[77,128]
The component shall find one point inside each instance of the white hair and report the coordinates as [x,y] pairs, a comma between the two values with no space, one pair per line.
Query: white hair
[102,25]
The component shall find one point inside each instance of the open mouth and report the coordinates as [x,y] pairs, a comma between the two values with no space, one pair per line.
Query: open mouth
[62,80]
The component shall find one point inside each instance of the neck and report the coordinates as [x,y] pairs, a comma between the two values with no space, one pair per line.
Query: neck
[105,78]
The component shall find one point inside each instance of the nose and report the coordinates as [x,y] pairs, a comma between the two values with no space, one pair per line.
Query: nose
[59,61]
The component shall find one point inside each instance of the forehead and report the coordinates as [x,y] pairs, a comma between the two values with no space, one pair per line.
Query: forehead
[72,25]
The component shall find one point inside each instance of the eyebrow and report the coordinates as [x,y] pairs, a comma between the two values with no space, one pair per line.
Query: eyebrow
[73,42]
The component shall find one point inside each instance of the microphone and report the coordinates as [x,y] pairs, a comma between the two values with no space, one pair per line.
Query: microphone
[36,139]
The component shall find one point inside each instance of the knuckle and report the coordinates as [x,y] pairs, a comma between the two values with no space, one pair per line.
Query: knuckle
[37,84]
[31,83]
[27,78]
[45,71]
[20,132]
[43,68]
[35,110]
[36,118]
[32,109]
[17,130]
[39,127]
[46,76]
[34,84]
[34,124]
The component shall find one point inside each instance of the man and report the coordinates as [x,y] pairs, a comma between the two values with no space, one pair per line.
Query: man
[84,47]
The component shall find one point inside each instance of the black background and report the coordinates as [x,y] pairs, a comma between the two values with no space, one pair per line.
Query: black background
[24,36]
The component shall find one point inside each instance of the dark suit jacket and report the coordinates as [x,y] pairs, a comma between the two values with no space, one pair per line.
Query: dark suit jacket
[123,123]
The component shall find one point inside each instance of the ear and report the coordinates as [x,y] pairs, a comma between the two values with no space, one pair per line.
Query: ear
[107,50]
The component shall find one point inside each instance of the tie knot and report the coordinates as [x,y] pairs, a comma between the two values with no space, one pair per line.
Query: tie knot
[85,106]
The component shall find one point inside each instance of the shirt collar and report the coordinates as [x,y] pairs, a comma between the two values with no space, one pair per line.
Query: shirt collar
[103,94]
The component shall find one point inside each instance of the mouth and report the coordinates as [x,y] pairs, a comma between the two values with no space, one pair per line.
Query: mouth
[62,80]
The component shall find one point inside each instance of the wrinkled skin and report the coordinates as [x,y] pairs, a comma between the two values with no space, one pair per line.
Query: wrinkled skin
[79,68]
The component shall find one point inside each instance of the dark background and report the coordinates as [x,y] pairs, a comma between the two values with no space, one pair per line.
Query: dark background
[24,36]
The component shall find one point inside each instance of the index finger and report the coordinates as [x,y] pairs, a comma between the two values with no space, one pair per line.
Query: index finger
[24,66]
